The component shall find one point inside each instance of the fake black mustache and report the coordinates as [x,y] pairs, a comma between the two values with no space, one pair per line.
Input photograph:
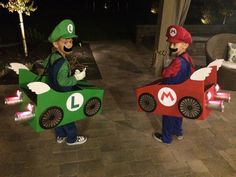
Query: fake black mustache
[172,50]
[67,49]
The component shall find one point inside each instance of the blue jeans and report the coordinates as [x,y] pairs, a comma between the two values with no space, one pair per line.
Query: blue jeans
[171,125]
[68,130]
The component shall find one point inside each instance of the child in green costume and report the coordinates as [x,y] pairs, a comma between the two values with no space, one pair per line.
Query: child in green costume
[60,78]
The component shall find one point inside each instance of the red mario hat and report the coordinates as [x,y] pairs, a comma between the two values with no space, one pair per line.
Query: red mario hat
[176,33]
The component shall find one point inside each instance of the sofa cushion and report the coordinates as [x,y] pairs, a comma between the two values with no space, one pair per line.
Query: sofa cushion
[232,52]
[229,64]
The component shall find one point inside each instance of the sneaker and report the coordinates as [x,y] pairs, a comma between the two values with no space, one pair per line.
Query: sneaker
[180,137]
[60,139]
[157,136]
[79,140]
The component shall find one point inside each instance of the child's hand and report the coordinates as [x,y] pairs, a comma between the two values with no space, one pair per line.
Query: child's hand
[77,71]
[80,75]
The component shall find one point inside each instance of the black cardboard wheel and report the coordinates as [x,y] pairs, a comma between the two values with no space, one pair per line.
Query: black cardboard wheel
[51,118]
[190,108]
[92,106]
[147,102]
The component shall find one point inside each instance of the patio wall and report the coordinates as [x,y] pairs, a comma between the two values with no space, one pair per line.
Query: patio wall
[196,30]
[200,33]
[209,30]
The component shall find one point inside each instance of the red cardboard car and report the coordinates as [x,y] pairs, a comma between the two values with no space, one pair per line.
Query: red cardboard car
[194,99]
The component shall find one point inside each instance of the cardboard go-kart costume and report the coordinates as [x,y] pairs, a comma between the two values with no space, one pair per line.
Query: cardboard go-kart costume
[45,108]
[194,98]
[182,92]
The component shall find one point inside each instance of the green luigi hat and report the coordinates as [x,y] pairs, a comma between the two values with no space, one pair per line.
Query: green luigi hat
[65,29]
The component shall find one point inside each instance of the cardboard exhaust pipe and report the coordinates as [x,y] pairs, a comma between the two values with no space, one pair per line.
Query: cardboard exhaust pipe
[223,96]
[12,100]
[217,105]
[23,116]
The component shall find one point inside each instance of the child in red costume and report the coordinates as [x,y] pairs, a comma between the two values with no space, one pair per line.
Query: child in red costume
[178,71]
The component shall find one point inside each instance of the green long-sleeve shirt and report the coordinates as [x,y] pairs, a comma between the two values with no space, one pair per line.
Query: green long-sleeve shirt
[63,77]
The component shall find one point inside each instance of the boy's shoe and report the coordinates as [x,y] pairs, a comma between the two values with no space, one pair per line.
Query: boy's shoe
[79,140]
[157,136]
[180,137]
[60,139]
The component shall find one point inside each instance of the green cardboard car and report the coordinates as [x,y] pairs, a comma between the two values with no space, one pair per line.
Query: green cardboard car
[44,108]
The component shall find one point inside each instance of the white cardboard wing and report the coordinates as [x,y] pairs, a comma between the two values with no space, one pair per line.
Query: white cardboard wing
[201,74]
[218,63]
[38,87]
[17,66]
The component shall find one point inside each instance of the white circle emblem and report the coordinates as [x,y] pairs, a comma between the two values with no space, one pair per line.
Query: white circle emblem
[167,96]
[173,32]
[74,102]
[70,28]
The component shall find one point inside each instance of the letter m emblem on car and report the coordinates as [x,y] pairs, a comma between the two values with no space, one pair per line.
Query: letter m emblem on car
[167,96]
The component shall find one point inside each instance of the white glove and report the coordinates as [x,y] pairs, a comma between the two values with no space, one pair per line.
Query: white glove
[80,75]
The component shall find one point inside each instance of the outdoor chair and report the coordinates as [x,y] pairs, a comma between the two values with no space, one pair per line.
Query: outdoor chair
[217,48]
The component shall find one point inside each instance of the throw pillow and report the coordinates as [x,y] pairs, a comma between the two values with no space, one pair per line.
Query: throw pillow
[232,52]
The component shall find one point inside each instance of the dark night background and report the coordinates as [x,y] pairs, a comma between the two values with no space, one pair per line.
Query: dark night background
[111,23]
[118,21]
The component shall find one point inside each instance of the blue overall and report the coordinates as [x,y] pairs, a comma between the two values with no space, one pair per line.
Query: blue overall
[172,125]
[53,70]
[68,130]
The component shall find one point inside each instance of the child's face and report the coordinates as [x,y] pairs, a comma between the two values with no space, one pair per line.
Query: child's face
[63,46]
[178,48]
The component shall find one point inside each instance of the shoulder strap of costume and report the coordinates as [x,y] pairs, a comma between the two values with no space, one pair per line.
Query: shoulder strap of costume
[47,67]
[189,62]
[59,62]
